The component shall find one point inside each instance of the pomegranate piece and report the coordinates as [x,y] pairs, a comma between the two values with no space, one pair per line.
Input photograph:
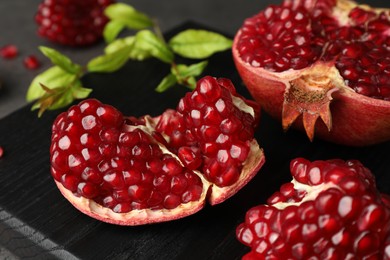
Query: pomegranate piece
[31,62]
[9,51]
[72,22]
[298,57]
[133,171]
[330,210]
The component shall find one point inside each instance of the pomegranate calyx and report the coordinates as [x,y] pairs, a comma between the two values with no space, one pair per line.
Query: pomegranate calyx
[310,95]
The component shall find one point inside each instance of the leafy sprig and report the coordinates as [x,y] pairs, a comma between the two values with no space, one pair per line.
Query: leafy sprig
[61,84]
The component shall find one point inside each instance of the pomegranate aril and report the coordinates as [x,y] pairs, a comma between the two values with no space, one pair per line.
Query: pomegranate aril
[162,183]
[172,201]
[171,166]
[114,179]
[31,62]
[191,157]
[156,198]
[139,193]
[87,190]
[70,182]
[9,51]
[91,175]
[122,207]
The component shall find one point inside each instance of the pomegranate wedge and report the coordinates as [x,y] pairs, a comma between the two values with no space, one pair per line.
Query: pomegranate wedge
[133,171]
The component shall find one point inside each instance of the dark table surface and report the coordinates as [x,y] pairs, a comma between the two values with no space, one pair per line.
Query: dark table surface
[35,219]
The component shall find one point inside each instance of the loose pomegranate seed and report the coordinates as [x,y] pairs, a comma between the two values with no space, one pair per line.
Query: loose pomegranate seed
[9,51]
[1,151]
[31,62]
[340,216]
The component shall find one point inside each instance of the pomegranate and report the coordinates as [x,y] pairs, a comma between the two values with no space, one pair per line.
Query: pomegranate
[133,171]
[72,22]
[330,210]
[327,59]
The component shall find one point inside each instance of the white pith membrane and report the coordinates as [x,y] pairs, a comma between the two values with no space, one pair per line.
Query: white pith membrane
[213,193]
[312,192]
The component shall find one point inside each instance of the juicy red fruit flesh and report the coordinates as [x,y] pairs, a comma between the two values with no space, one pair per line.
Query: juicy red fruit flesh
[73,22]
[127,164]
[296,35]
[332,210]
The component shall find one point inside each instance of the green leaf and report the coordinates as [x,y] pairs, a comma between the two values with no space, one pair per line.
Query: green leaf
[112,29]
[119,44]
[53,77]
[128,16]
[109,62]
[135,53]
[60,60]
[199,44]
[148,41]
[185,75]
[59,97]
[192,70]
[191,83]
[79,92]
[167,82]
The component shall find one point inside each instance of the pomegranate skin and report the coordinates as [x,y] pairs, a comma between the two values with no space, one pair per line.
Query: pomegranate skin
[351,118]
[357,120]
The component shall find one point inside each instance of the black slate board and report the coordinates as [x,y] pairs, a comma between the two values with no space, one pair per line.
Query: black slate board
[38,223]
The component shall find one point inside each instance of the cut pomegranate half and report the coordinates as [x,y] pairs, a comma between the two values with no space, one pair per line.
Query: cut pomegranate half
[133,171]
[327,59]
[330,210]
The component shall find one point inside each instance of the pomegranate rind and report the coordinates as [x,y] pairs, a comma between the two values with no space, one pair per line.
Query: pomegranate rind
[251,166]
[357,120]
[134,217]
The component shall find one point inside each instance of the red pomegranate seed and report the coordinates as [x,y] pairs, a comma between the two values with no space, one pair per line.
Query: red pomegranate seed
[9,51]
[1,151]
[31,62]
